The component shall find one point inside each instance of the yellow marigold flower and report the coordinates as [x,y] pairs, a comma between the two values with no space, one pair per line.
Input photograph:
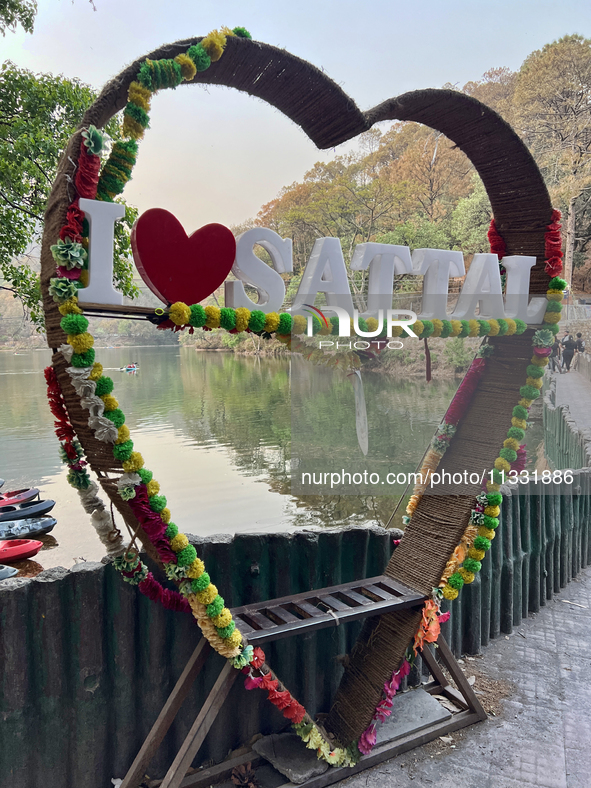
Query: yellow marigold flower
[134,463]
[450,593]
[511,326]
[122,434]
[525,403]
[165,514]
[300,323]
[511,443]
[180,314]
[372,324]
[477,555]
[492,511]
[213,316]
[179,543]
[242,318]
[396,330]
[214,44]
[521,423]
[139,95]
[81,342]
[437,327]
[196,569]
[494,328]
[456,328]
[153,488]
[223,620]
[234,640]
[111,402]
[131,128]
[554,295]
[502,465]
[70,307]
[188,68]
[492,487]
[552,317]
[535,382]
[539,361]
[84,275]
[207,596]
[97,371]
[474,328]
[272,322]
[418,327]
[468,576]
[325,330]
[489,533]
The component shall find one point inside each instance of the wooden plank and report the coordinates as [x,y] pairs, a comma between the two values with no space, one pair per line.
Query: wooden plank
[309,610]
[280,615]
[457,675]
[356,598]
[121,310]
[257,620]
[203,778]
[200,728]
[166,717]
[381,593]
[333,602]
[243,626]
[395,586]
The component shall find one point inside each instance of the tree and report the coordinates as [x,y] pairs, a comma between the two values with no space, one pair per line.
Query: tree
[38,114]
[15,12]
[553,109]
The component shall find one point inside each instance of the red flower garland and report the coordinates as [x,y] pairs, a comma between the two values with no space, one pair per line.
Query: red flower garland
[87,175]
[153,525]
[465,391]
[281,699]
[552,244]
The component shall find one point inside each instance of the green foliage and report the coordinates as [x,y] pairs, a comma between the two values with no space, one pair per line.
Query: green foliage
[471,219]
[38,114]
[458,355]
[17,12]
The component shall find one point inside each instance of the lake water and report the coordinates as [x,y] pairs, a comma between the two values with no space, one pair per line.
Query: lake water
[216,429]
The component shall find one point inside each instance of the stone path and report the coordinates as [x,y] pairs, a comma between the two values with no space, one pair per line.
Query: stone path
[574,390]
[542,735]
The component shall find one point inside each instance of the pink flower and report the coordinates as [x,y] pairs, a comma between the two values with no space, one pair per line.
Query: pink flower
[444,617]
[63,273]
[251,682]
[404,668]
[367,740]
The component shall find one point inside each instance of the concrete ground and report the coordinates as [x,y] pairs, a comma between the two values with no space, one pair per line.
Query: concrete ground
[541,735]
[574,390]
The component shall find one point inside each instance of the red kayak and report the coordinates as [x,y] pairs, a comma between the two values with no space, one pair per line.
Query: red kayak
[15,497]
[16,549]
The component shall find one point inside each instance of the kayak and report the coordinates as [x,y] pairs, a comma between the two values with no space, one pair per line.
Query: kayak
[7,571]
[21,529]
[1,482]
[15,497]
[27,509]
[129,368]
[18,549]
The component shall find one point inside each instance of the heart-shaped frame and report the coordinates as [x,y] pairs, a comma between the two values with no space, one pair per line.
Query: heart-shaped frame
[522,212]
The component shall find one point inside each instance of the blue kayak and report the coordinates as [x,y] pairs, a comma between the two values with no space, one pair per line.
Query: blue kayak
[23,529]
[28,509]
[7,571]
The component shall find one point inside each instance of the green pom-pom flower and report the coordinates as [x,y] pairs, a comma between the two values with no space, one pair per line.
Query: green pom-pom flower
[508,454]
[83,359]
[472,565]
[93,140]
[122,451]
[61,289]
[104,385]
[520,413]
[490,522]
[145,475]
[446,328]
[456,581]
[138,114]
[241,32]
[285,324]
[554,328]
[201,583]
[516,433]
[481,543]
[483,328]
[494,498]
[363,325]
[157,502]
[428,329]
[557,284]
[215,607]
[497,476]
[503,327]
[198,316]
[529,392]
[200,57]
[534,371]
[257,321]
[69,254]
[227,318]
[186,556]
[116,416]
[520,326]
[554,306]
[74,324]
[225,632]
[465,329]
[171,531]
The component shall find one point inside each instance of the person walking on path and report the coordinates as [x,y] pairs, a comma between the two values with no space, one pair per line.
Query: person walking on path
[568,349]
[555,356]
[579,350]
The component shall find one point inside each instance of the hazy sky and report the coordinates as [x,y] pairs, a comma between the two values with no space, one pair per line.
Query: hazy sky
[213,154]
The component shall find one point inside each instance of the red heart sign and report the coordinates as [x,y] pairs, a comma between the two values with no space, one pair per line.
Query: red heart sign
[177,266]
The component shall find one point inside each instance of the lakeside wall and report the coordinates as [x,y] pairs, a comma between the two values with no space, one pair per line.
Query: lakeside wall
[88,661]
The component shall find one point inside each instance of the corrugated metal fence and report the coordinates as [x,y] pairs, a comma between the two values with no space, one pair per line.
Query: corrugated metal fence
[565,444]
[87,662]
